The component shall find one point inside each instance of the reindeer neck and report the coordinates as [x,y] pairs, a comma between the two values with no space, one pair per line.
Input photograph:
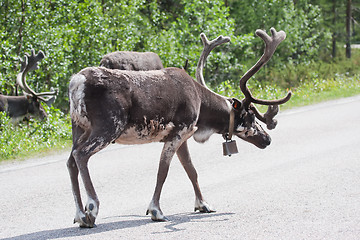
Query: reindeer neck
[214,112]
[17,106]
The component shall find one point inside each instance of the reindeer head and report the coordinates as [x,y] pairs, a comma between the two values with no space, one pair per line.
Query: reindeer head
[243,124]
[35,108]
[243,114]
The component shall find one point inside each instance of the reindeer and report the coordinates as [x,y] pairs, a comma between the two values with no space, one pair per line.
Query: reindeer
[167,105]
[17,107]
[135,61]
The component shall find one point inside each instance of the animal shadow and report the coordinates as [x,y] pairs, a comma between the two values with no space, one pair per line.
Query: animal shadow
[131,221]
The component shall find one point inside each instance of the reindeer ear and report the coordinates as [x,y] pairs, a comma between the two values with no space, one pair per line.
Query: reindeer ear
[236,104]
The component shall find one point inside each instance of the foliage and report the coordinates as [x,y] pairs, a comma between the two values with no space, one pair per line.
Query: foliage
[291,75]
[302,23]
[73,35]
[179,41]
[76,34]
[33,136]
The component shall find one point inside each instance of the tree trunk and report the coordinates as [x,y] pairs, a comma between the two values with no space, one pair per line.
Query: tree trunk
[21,27]
[334,29]
[348,29]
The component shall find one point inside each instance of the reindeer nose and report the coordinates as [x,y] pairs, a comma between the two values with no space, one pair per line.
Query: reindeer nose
[266,141]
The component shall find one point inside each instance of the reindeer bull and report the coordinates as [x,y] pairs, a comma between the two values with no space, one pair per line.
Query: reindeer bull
[17,107]
[166,105]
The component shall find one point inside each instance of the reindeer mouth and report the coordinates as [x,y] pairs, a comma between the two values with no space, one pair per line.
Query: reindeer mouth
[265,143]
[260,143]
[259,139]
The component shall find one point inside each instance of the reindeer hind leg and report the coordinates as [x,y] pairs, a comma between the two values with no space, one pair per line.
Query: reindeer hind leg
[165,159]
[78,134]
[81,153]
[74,173]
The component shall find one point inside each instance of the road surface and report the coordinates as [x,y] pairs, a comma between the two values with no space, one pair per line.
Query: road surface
[305,185]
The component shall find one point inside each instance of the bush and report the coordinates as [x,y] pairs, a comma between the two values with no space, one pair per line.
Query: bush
[33,136]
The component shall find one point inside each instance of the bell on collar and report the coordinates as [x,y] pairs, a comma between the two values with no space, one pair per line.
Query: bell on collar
[229,148]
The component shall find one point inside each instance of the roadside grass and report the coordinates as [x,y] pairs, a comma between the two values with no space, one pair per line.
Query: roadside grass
[34,138]
[324,90]
[306,93]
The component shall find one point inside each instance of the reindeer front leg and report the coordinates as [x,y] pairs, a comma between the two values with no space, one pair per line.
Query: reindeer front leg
[167,154]
[185,159]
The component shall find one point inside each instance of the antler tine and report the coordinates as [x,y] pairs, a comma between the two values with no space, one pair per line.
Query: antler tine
[30,63]
[49,100]
[271,43]
[33,60]
[268,117]
[208,47]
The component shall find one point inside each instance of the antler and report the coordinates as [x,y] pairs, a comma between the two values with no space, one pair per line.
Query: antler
[208,47]
[30,63]
[271,44]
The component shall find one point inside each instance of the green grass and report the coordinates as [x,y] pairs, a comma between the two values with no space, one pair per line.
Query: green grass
[322,90]
[33,138]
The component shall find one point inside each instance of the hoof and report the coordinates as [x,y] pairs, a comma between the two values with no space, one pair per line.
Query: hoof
[157,215]
[203,207]
[87,221]
[87,226]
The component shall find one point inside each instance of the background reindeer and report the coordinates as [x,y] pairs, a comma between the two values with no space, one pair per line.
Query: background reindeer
[166,105]
[136,61]
[17,107]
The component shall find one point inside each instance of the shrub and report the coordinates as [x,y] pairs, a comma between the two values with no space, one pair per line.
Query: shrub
[33,136]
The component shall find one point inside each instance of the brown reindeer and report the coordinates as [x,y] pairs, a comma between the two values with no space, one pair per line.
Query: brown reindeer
[18,107]
[167,105]
[134,61]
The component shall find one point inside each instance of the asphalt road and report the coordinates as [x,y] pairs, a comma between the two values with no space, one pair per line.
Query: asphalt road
[305,185]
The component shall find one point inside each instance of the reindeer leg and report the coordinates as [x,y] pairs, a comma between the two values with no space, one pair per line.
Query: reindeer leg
[74,172]
[92,206]
[81,156]
[185,159]
[79,135]
[167,154]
